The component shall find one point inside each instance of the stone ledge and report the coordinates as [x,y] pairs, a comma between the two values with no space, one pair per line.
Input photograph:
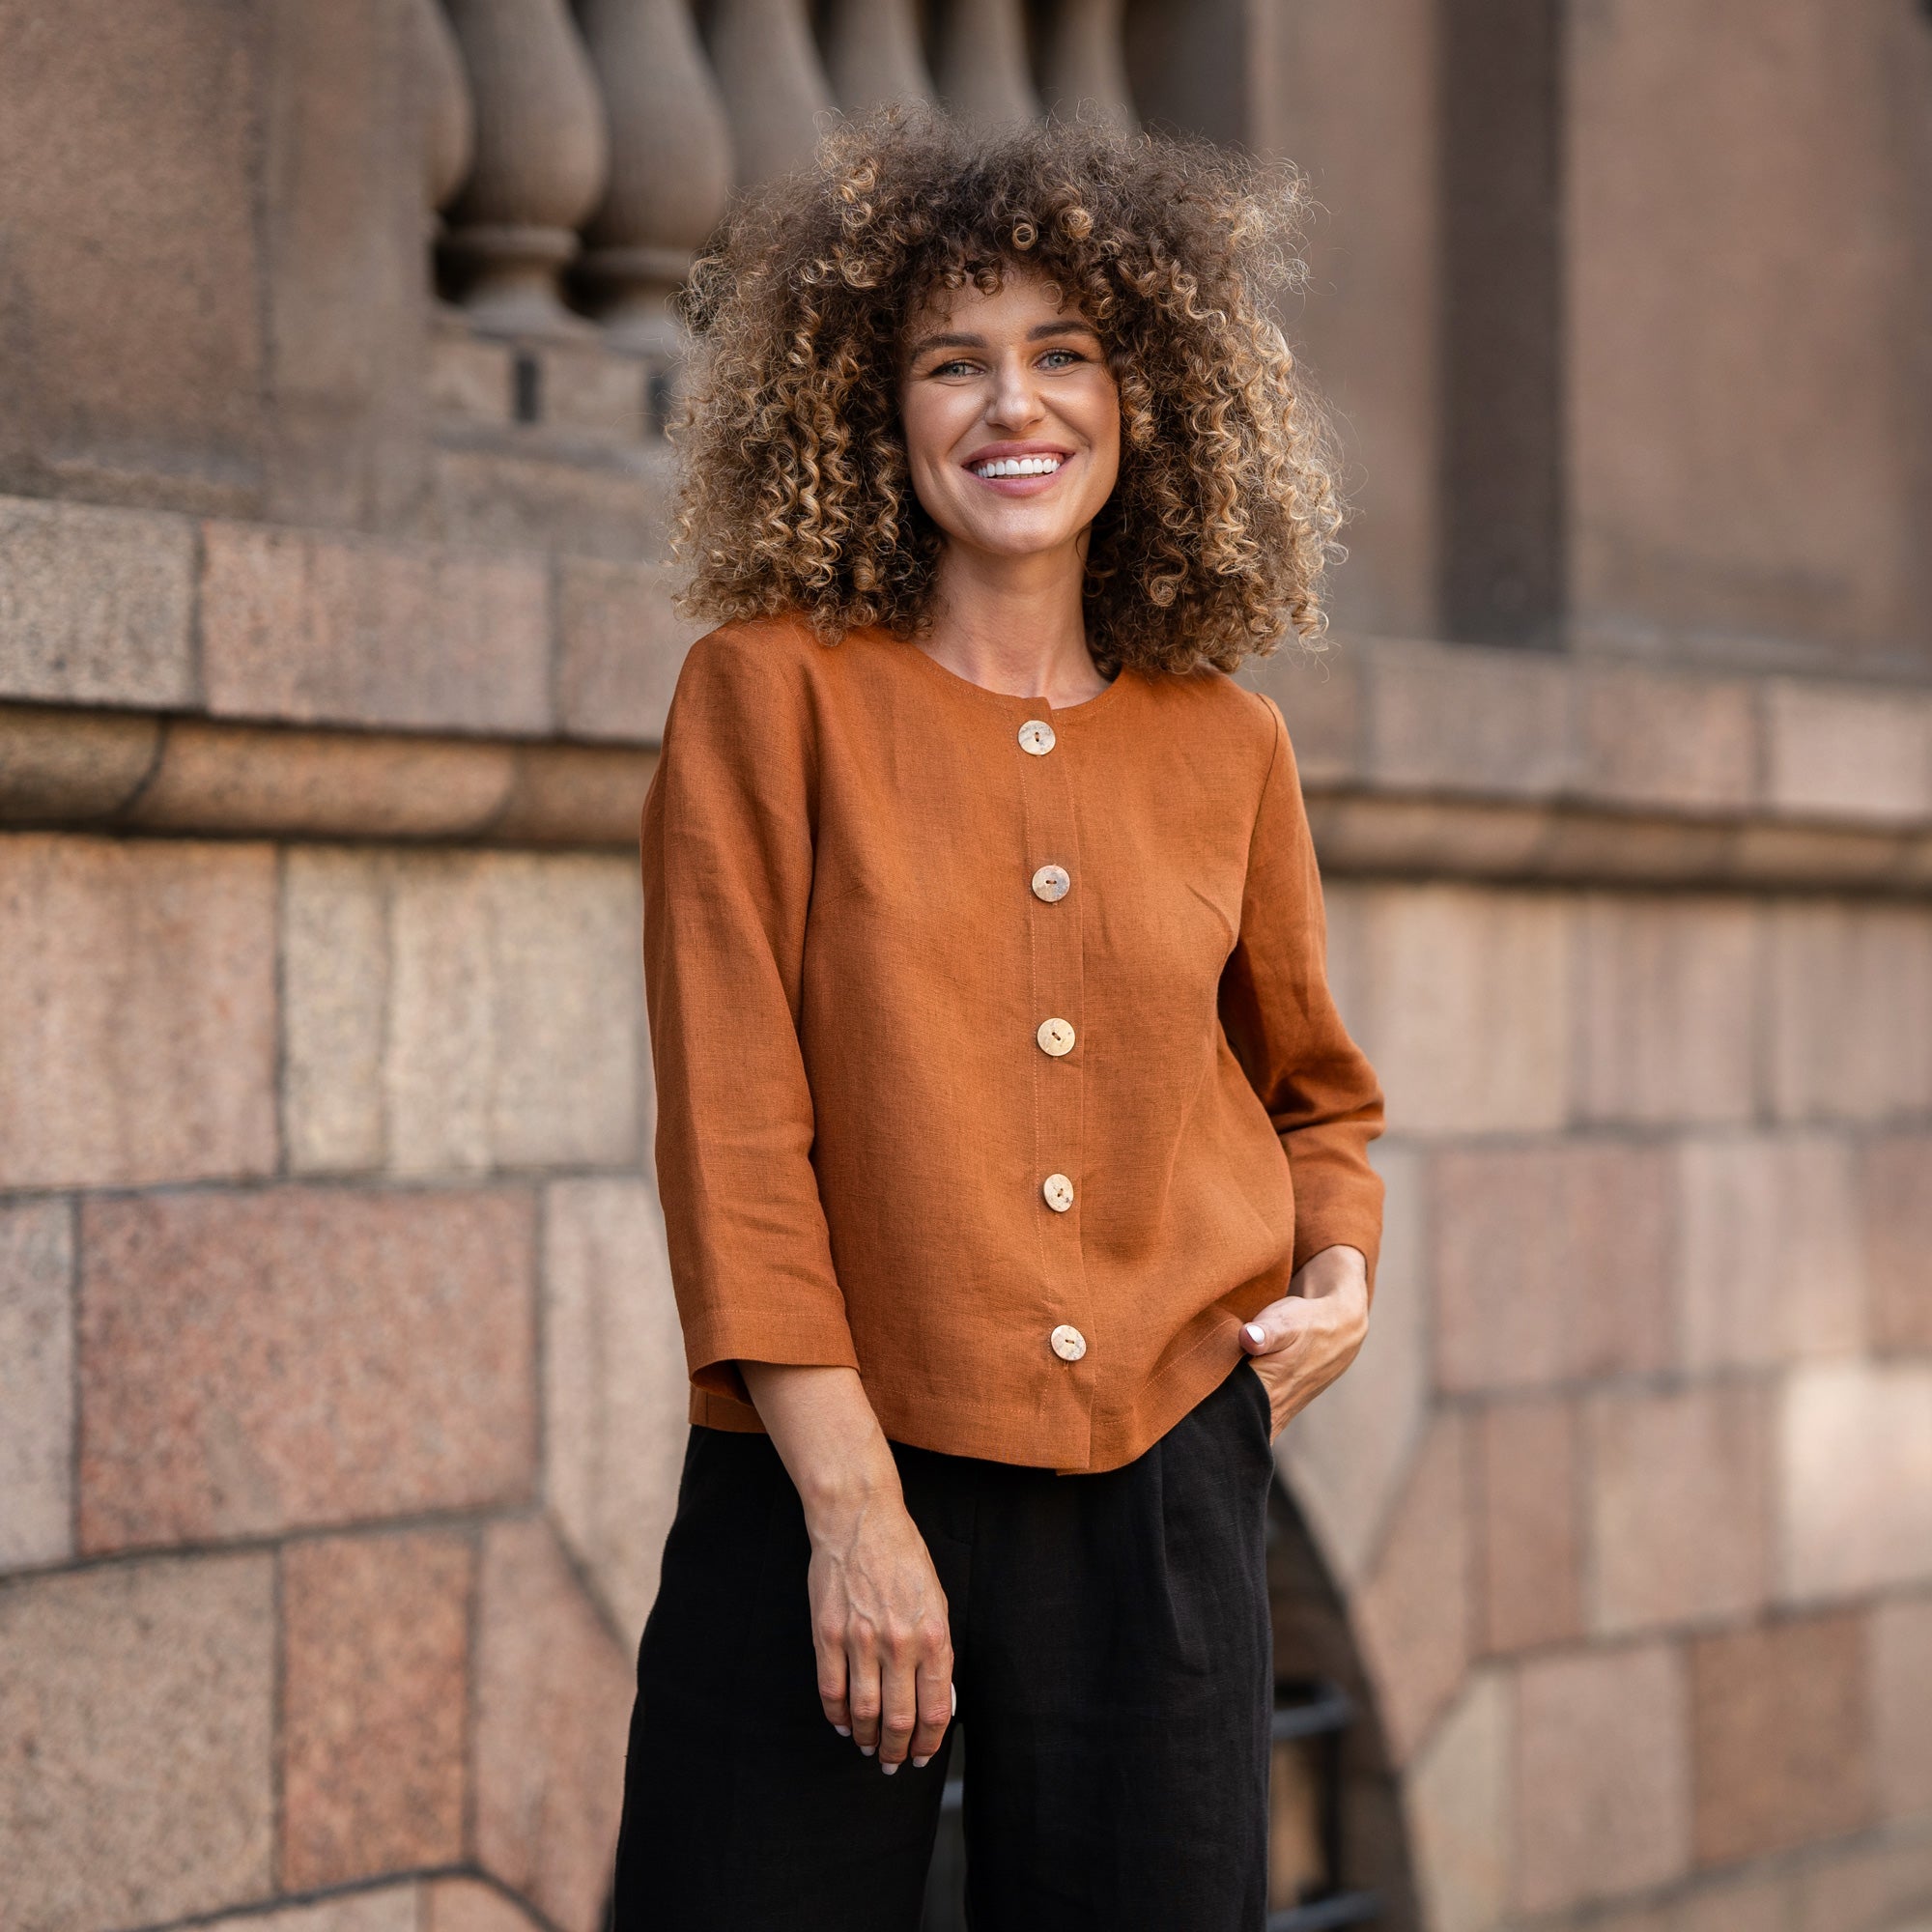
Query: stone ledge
[84,770]
[75,770]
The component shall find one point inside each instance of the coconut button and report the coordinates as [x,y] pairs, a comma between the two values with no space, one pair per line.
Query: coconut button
[1055,1037]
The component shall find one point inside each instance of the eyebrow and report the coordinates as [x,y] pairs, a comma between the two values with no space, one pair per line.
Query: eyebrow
[1039,332]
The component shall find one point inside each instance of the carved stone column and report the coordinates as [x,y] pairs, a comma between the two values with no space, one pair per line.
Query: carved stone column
[982,63]
[774,86]
[873,54]
[670,165]
[541,154]
[1085,67]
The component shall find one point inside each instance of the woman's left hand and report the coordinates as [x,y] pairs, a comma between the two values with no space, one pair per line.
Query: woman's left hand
[1301,1343]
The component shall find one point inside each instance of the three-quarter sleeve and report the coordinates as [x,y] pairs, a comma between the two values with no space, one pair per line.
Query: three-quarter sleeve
[1319,1092]
[727,867]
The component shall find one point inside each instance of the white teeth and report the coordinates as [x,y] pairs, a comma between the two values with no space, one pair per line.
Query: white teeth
[1017,466]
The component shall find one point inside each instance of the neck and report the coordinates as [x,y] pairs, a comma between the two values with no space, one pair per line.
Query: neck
[1014,624]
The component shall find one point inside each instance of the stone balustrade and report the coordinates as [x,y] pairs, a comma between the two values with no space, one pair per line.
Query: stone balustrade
[577,156]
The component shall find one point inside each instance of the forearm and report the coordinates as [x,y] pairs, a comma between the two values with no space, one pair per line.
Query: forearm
[828,1438]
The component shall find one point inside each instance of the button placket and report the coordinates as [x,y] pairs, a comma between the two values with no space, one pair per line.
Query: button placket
[1058,1082]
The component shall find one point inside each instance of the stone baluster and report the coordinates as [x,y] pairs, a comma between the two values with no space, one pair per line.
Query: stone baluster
[773,83]
[541,154]
[450,123]
[982,69]
[873,54]
[670,165]
[1085,67]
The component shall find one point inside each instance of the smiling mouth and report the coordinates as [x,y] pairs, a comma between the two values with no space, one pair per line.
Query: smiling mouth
[998,466]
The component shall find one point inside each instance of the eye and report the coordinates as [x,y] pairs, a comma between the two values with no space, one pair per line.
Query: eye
[1067,355]
[958,366]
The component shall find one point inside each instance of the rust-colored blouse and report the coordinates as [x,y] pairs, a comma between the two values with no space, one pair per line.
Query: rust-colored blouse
[994,1053]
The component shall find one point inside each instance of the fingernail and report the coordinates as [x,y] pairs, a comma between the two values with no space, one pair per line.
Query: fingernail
[889,1768]
[844,1730]
[868,1749]
[921,1763]
[1255,1333]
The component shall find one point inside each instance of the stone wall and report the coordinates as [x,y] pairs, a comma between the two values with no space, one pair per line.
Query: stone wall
[340,1386]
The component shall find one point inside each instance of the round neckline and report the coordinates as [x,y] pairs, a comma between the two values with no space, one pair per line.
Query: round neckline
[1008,700]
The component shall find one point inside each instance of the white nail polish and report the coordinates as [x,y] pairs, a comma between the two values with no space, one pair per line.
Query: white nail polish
[844,1730]
[889,1768]
[921,1763]
[1255,1333]
[868,1749]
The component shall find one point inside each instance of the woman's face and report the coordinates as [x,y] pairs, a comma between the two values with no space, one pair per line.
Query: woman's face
[1012,417]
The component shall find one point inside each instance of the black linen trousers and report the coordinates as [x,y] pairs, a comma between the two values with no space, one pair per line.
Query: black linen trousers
[1113,1661]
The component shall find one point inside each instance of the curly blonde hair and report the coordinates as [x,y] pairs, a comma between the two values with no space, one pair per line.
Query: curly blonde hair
[796,494]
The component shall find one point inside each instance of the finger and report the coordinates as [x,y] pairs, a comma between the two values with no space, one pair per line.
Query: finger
[1278,1324]
[861,1692]
[900,1712]
[937,1701]
[829,1642]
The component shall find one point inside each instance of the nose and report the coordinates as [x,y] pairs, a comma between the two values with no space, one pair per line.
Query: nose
[1014,404]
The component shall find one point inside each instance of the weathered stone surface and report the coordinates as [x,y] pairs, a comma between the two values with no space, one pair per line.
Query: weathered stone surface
[1550,1263]
[553,1696]
[1668,1008]
[335,999]
[1467,720]
[1603,1775]
[139,1043]
[1529,1551]
[1413,1613]
[1321,699]
[468,1905]
[251,1363]
[1651,738]
[375,1649]
[1855,1477]
[1843,751]
[1851,1009]
[130,143]
[1770,1266]
[614,1386]
[66,767]
[135,1719]
[456,1013]
[1781,1742]
[1459,1809]
[387,1908]
[587,390]
[1875,1887]
[95,605]
[1680,1505]
[1687,320]
[1346,1454]
[619,646]
[304,784]
[1900,1666]
[338,630]
[36,1382]
[1894,1200]
[1461,996]
[471,377]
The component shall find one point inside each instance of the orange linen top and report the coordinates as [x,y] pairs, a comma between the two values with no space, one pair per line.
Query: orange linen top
[994,1053]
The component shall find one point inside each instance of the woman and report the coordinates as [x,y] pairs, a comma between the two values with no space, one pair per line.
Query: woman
[1012,1154]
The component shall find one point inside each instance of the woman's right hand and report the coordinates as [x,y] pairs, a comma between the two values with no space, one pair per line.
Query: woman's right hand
[879,1613]
[879,1625]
